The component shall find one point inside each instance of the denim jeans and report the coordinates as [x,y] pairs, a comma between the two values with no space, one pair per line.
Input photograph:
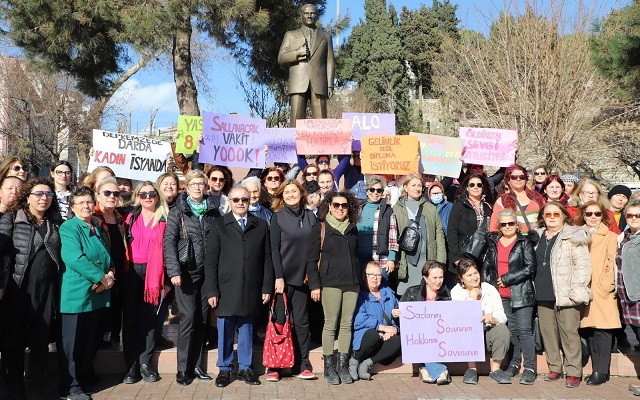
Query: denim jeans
[434,369]
[519,321]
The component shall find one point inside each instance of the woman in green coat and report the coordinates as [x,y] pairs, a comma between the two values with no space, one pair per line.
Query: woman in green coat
[85,294]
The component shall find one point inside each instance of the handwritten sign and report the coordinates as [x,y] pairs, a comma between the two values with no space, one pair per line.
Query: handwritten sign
[189,129]
[495,147]
[396,155]
[370,124]
[129,156]
[282,145]
[233,141]
[440,155]
[441,331]
[323,136]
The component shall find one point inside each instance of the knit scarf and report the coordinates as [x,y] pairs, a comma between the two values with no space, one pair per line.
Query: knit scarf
[337,225]
[198,209]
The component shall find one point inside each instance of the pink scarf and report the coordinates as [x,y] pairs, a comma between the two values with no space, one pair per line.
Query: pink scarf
[154,279]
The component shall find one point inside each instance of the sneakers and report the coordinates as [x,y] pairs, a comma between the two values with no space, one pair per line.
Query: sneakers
[307,374]
[470,377]
[528,377]
[500,376]
[512,371]
[79,395]
[273,376]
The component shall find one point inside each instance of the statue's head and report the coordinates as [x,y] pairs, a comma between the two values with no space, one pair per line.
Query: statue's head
[309,14]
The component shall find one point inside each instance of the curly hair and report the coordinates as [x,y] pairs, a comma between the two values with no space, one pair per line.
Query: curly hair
[486,188]
[228,177]
[567,217]
[278,196]
[354,206]
[579,218]
[52,213]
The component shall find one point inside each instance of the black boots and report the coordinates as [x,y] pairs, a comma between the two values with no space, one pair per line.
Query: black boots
[343,368]
[330,374]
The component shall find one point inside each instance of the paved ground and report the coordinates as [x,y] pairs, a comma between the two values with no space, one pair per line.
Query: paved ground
[383,386]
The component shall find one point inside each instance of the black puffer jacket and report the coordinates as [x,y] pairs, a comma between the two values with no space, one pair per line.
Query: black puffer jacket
[196,230]
[22,234]
[419,293]
[522,269]
[339,265]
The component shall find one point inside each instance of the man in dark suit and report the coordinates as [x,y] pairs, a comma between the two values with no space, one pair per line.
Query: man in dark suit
[308,52]
[238,278]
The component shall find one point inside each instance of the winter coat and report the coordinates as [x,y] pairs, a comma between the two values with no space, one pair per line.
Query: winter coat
[602,311]
[436,245]
[261,212]
[197,230]
[289,234]
[522,268]
[462,224]
[491,301]
[370,313]
[339,265]
[419,293]
[630,254]
[570,266]
[238,268]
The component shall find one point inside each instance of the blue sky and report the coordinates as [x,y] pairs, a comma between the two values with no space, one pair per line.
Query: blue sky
[153,88]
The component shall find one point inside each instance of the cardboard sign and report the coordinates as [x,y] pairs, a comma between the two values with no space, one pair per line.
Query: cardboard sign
[441,331]
[129,156]
[486,146]
[396,155]
[189,129]
[440,155]
[370,124]
[232,140]
[282,145]
[323,136]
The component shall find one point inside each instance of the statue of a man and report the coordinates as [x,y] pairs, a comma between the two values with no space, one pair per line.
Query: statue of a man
[308,52]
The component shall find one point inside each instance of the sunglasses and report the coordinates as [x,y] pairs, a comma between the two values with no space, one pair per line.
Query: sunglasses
[337,205]
[216,179]
[518,177]
[108,193]
[237,200]
[325,162]
[632,216]
[505,224]
[554,214]
[311,174]
[148,195]
[593,213]
[478,185]
[374,190]
[19,168]
[540,173]
[62,173]
[273,178]
[40,193]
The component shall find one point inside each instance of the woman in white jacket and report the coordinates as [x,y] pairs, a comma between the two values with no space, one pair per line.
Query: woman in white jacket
[497,337]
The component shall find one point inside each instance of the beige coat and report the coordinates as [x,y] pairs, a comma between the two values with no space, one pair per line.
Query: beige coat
[602,312]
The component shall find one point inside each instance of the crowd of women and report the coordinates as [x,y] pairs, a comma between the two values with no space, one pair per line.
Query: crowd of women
[93,257]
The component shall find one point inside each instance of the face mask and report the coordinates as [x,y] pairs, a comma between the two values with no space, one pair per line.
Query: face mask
[436,198]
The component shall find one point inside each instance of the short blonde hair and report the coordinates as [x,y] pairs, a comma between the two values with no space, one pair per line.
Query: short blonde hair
[193,174]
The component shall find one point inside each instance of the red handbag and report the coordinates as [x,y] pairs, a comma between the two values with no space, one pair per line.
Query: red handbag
[278,342]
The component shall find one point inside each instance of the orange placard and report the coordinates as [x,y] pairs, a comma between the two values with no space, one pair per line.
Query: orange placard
[396,155]
[323,136]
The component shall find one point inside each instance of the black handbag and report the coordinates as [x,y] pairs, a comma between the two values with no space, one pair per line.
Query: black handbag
[537,336]
[477,242]
[410,237]
[185,247]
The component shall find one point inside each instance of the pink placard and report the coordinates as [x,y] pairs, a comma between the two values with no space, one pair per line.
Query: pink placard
[441,331]
[323,136]
[487,146]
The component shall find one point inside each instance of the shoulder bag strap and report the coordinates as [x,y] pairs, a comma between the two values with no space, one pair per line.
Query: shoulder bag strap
[524,214]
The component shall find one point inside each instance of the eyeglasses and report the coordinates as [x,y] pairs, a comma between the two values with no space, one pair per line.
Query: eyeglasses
[323,162]
[593,213]
[237,200]
[344,206]
[310,174]
[61,173]
[539,173]
[19,168]
[40,193]
[216,179]
[554,214]
[518,177]
[84,203]
[374,276]
[194,185]
[478,185]
[108,193]
[632,216]
[273,178]
[148,195]
[376,190]
[589,193]
[505,224]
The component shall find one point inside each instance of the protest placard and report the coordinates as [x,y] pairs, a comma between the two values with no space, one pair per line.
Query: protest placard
[323,136]
[396,155]
[129,156]
[440,155]
[441,331]
[486,146]
[370,124]
[232,140]
[282,145]
[189,129]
